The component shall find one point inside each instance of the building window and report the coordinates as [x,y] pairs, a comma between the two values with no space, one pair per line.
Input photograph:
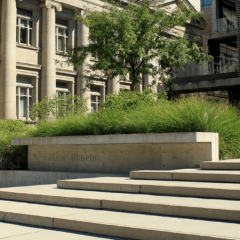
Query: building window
[95,98]
[24,26]
[62,88]
[24,97]
[206,3]
[62,35]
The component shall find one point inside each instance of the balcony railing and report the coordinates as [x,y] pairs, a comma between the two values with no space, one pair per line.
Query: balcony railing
[218,65]
[226,24]
[222,65]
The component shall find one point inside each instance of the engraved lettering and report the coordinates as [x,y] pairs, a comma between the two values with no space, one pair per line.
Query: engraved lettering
[71,157]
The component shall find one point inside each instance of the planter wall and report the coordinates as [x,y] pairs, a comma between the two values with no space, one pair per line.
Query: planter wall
[120,153]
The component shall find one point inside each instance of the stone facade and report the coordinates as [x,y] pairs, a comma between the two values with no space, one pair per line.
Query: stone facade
[31,66]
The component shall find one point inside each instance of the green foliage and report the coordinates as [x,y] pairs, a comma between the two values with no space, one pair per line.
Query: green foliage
[13,154]
[131,112]
[135,40]
[58,106]
[184,115]
[130,100]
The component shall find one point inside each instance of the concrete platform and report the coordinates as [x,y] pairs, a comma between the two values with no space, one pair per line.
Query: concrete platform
[176,188]
[213,209]
[24,232]
[117,224]
[233,164]
[28,178]
[188,175]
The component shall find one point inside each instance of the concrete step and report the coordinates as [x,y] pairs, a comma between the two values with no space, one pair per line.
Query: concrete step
[233,164]
[188,175]
[11,231]
[213,209]
[115,223]
[176,188]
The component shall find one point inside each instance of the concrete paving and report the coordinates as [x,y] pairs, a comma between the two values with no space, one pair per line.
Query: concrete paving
[188,175]
[176,188]
[24,232]
[9,178]
[215,209]
[115,223]
[233,164]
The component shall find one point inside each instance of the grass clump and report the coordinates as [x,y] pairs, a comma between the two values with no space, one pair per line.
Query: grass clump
[127,113]
[13,156]
[128,116]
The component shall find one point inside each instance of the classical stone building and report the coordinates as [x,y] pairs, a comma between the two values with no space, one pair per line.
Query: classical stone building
[33,34]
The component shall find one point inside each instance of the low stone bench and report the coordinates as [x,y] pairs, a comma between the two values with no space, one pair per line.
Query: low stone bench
[120,153]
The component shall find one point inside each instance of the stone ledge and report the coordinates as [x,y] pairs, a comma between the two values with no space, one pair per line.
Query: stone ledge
[189,137]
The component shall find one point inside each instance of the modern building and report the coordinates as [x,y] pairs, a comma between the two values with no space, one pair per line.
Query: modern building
[35,32]
[220,77]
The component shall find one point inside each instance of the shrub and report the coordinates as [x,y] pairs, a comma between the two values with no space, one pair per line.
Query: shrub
[130,100]
[183,115]
[127,113]
[13,155]
[57,106]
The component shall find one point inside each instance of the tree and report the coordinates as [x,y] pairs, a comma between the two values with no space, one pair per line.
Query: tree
[125,40]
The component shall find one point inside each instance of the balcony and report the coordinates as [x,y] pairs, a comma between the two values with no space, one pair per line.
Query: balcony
[223,64]
[226,24]
[218,65]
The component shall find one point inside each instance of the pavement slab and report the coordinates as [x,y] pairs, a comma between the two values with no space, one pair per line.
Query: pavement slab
[11,231]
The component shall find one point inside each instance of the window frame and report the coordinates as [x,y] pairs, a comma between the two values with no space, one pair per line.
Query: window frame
[29,37]
[98,95]
[29,103]
[65,36]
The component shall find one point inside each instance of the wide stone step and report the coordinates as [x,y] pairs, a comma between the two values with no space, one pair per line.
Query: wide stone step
[188,175]
[176,188]
[214,209]
[115,223]
[13,231]
[233,164]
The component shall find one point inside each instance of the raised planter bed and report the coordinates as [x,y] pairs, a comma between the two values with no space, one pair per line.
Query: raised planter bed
[120,153]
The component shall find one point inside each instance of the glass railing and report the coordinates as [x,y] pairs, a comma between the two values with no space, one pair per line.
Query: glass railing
[218,65]
[222,65]
[226,24]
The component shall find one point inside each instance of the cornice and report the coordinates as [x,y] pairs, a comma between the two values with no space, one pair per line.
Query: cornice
[29,66]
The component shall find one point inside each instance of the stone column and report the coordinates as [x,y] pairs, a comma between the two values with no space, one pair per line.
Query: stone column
[8,64]
[82,90]
[214,17]
[113,84]
[48,83]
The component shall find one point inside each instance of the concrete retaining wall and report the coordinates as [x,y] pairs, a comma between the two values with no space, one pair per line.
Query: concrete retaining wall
[120,153]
